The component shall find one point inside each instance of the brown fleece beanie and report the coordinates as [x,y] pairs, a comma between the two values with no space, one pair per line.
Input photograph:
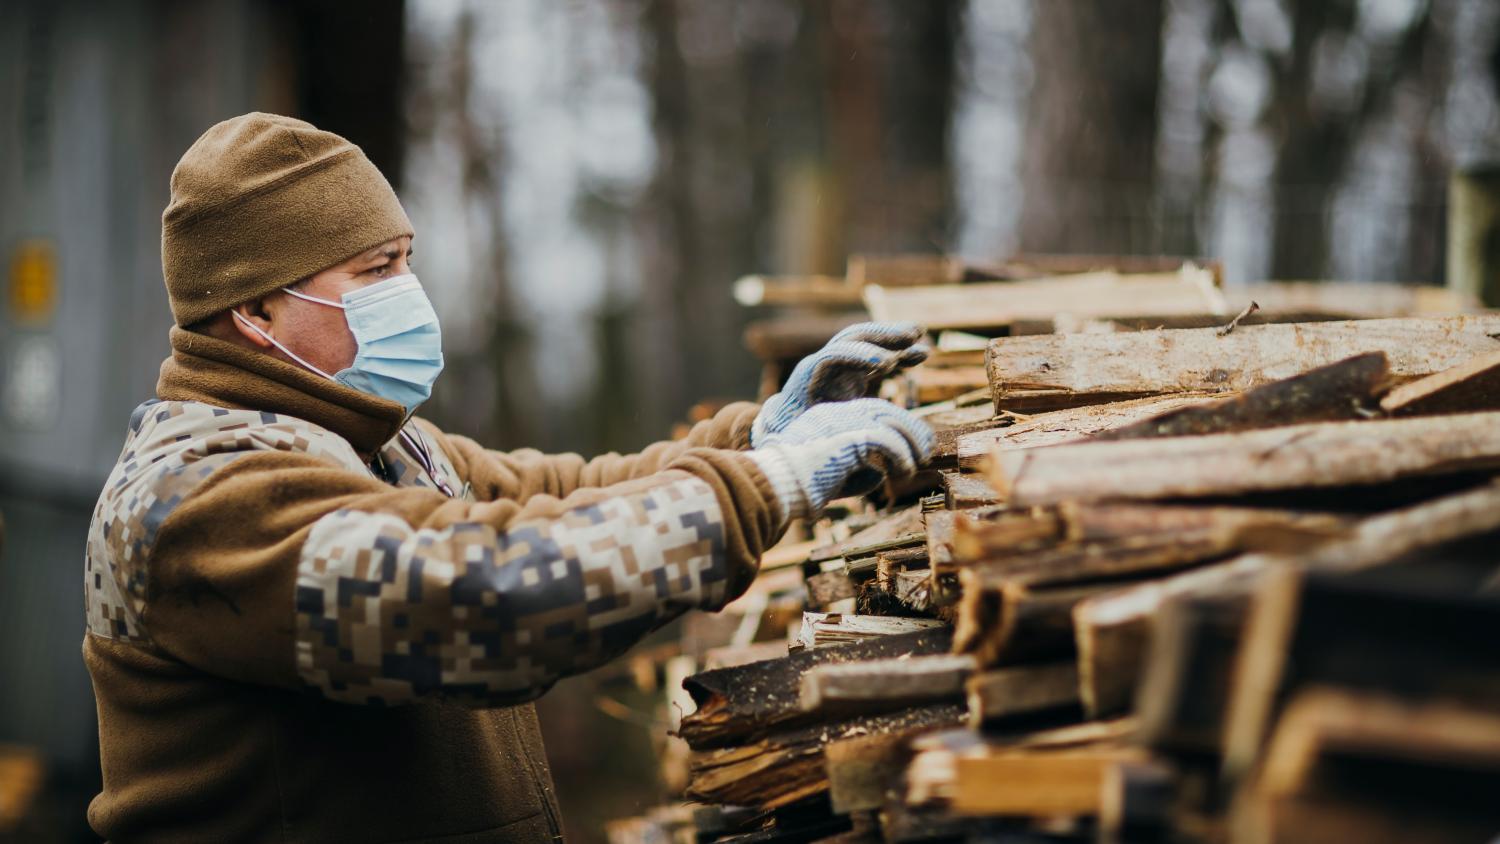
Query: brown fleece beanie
[261,201]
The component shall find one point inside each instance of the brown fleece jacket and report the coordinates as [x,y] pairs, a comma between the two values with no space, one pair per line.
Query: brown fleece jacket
[294,636]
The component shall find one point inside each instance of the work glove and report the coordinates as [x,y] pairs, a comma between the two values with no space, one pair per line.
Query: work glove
[841,448]
[846,368]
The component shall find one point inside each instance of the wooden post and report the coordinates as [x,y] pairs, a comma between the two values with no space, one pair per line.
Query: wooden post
[1474,233]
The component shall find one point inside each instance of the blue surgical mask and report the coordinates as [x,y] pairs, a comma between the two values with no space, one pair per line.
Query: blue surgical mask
[400,348]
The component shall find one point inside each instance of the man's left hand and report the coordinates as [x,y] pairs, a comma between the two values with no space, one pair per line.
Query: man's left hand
[846,368]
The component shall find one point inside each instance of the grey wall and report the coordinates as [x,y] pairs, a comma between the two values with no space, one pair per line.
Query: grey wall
[97,101]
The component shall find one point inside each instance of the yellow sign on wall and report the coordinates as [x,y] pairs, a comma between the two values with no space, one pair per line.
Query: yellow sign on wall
[33,281]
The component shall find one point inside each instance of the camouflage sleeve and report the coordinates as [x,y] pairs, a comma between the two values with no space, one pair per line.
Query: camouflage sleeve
[517,475]
[284,569]
[387,613]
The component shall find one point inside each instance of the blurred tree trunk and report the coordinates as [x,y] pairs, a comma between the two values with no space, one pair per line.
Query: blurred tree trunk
[1089,161]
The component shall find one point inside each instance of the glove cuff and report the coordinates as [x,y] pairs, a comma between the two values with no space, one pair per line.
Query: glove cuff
[773,463]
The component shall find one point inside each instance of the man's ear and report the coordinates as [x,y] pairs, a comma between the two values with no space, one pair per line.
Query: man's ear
[253,313]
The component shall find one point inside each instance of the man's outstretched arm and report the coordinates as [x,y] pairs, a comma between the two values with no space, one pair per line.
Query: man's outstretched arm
[278,568]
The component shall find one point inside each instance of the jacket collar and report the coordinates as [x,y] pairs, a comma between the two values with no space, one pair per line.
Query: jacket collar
[206,369]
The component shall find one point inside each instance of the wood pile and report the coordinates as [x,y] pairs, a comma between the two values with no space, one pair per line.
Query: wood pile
[1229,580]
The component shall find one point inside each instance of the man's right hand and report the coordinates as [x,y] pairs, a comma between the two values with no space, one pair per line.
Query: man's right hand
[841,448]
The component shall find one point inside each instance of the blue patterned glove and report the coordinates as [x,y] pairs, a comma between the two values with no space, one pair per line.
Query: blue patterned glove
[844,369]
[839,449]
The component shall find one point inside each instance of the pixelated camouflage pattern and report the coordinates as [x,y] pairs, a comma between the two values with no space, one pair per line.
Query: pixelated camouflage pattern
[386,614]
[171,448]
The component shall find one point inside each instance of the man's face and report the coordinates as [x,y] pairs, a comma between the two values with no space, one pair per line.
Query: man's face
[318,333]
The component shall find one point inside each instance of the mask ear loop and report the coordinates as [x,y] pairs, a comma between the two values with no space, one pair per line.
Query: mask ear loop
[329,302]
[269,339]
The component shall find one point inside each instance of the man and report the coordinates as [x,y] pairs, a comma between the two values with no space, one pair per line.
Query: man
[315,617]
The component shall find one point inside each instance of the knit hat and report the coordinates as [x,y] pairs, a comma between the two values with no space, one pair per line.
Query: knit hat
[261,201]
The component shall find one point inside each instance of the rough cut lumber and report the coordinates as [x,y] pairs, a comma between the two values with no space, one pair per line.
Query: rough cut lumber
[784,340]
[995,305]
[1342,390]
[809,290]
[1309,629]
[963,491]
[1321,723]
[825,630]
[736,703]
[1468,387]
[1314,455]
[1184,689]
[1111,628]
[1358,299]
[901,527]
[828,587]
[882,684]
[787,766]
[1136,803]
[1367,767]
[862,769]
[930,384]
[1027,690]
[1035,784]
[1063,426]
[1017,624]
[903,269]
[1051,371]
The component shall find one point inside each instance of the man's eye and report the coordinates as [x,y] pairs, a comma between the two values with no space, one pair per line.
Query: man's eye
[381,270]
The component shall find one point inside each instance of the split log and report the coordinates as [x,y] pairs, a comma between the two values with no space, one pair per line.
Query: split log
[1315,455]
[942,533]
[1112,628]
[883,684]
[996,305]
[1065,426]
[1471,386]
[1052,371]
[734,704]
[1024,691]
[910,269]
[787,766]
[1342,390]
[825,630]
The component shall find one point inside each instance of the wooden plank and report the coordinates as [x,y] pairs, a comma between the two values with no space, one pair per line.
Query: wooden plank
[1184,687]
[903,269]
[862,770]
[789,338]
[1357,299]
[1017,624]
[828,587]
[904,524]
[1035,784]
[883,684]
[1314,455]
[995,305]
[1136,803]
[1375,768]
[1346,389]
[1063,426]
[1471,386]
[1309,629]
[1050,371]
[736,703]
[931,384]
[1006,693]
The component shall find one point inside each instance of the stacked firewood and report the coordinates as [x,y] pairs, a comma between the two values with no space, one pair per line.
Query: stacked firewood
[1233,579]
